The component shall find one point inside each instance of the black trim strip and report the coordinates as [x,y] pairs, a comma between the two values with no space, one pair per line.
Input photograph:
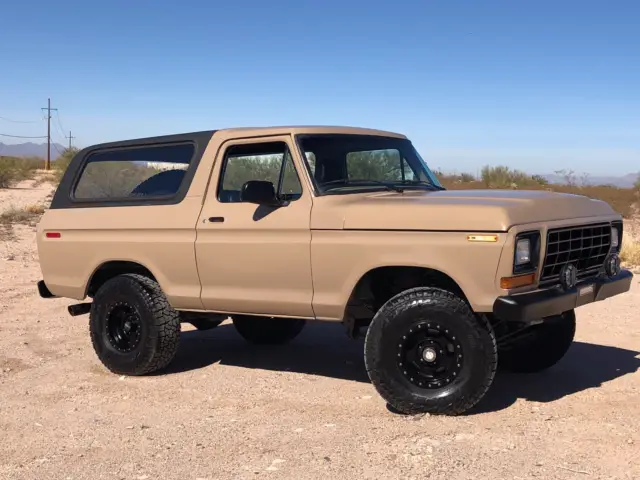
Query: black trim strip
[469,232]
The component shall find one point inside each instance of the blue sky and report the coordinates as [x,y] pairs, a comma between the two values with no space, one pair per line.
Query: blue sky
[538,85]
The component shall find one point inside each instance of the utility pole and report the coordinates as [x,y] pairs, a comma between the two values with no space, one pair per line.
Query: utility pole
[70,137]
[47,165]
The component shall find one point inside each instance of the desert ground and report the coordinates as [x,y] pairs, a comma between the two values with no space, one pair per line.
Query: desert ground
[228,410]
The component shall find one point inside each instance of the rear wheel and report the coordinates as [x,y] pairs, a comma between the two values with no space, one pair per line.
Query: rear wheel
[134,330]
[268,330]
[540,346]
[427,352]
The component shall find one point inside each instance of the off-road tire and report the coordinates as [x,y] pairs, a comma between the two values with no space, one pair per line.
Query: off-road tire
[268,330]
[472,334]
[159,325]
[544,346]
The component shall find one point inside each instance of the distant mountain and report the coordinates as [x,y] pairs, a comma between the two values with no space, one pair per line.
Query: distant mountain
[30,149]
[624,181]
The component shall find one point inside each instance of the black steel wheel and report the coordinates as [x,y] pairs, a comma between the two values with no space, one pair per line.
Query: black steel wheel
[538,347]
[134,330]
[123,327]
[268,330]
[430,355]
[427,352]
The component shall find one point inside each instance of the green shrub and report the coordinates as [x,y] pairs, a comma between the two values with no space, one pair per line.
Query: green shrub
[14,170]
[505,177]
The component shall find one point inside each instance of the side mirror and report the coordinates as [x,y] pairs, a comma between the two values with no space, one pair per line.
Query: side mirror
[260,192]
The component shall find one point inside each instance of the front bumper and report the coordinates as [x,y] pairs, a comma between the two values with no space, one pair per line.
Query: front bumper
[554,301]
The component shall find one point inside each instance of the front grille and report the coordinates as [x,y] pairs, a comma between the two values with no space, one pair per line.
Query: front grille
[585,246]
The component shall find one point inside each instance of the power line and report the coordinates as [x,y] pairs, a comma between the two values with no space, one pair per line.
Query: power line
[17,121]
[56,148]
[19,136]
[60,127]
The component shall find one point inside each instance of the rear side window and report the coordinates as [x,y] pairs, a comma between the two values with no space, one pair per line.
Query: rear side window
[138,172]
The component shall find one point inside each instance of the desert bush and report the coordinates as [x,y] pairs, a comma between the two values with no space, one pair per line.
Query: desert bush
[14,170]
[505,177]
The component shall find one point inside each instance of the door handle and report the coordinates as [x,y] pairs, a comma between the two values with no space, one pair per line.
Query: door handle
[215,219]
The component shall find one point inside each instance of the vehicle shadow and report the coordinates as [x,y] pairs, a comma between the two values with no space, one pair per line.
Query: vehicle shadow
[323,349]
[585,366]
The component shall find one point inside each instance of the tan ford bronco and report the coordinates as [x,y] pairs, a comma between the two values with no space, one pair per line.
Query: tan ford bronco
[273,227]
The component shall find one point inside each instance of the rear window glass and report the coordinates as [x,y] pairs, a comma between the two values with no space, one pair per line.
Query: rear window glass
[141,172]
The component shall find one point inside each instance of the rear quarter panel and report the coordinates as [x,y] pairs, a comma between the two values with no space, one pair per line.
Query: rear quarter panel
[159,237]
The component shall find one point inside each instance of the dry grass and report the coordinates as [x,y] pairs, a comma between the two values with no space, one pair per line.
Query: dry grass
[28,215]
[630,253]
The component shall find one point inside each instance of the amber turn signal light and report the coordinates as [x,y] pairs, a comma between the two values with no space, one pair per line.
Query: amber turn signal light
[508,283]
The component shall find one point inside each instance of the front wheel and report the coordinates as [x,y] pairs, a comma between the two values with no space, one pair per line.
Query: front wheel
[427,352]
[541,346]
[268,330]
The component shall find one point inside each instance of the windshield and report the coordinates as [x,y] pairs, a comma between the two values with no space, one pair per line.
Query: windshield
[342,163]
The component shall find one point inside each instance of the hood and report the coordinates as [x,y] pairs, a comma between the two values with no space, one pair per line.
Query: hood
[464,210]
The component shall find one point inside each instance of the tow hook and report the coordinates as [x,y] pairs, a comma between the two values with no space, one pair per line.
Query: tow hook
[79,309]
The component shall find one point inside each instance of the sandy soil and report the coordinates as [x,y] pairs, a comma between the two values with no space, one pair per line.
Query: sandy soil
[227,410]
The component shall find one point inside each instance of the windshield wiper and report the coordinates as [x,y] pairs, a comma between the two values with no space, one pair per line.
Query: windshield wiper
[372,183]
[422,183]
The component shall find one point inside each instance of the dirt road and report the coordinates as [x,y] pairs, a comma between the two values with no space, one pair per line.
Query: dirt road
[228,410]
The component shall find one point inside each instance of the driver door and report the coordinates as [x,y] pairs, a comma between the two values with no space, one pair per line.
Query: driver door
[255,259]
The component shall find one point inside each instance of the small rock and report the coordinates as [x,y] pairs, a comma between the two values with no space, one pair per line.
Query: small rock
[327,459]
[122,377]
[130,427]
[25,343]
[143,477]
[298,430]
[630,441]
[329,425]
[144,427]
[366,397]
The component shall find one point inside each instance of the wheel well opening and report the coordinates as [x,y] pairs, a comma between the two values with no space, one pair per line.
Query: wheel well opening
[377,286]
[112,269]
